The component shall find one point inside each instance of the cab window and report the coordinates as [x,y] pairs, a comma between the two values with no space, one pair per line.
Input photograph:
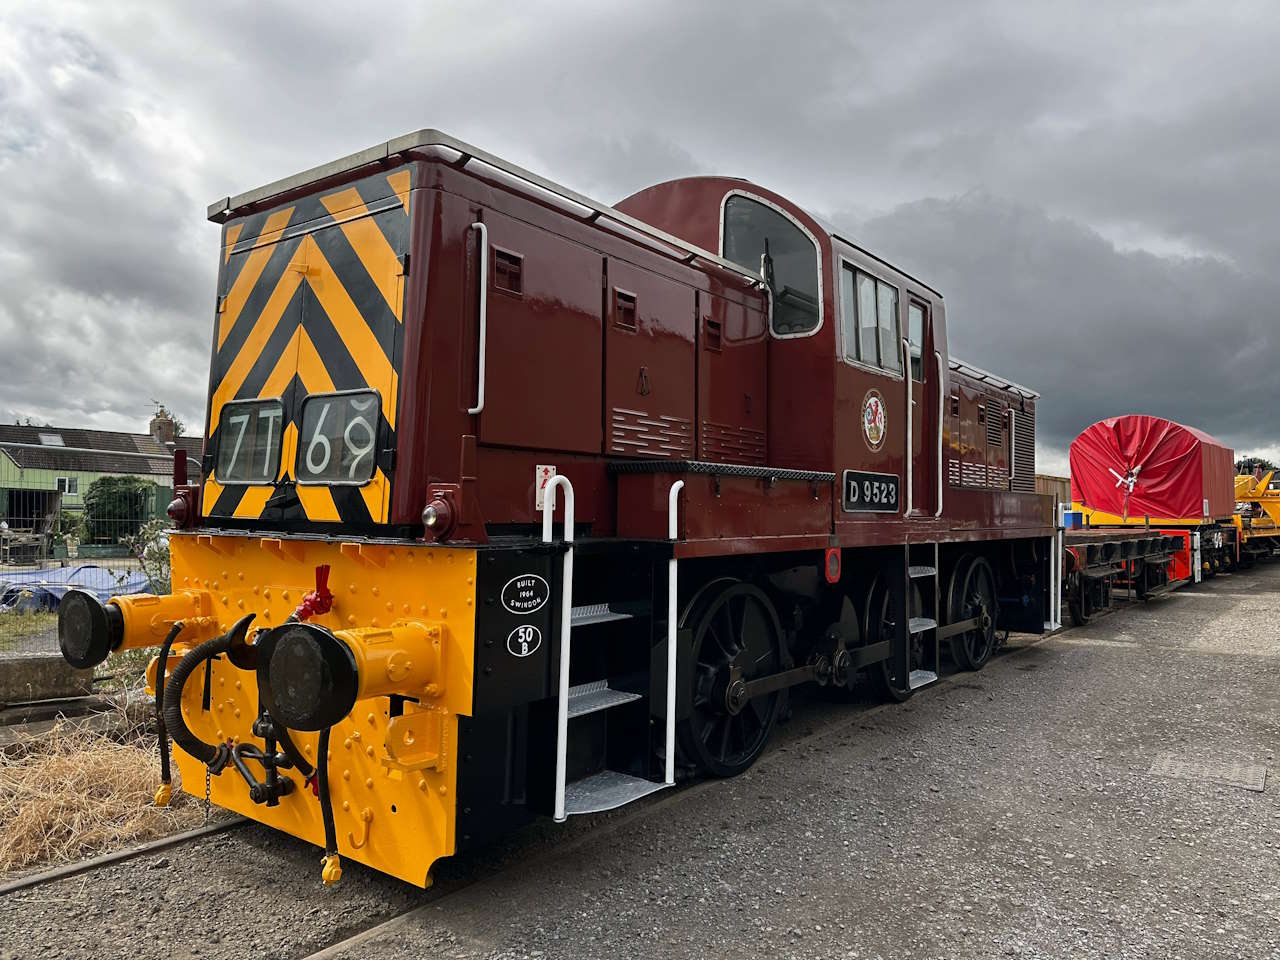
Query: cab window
[869,320]
[915,333]
[765,241]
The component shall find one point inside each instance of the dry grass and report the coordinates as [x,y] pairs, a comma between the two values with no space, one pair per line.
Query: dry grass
[71,794]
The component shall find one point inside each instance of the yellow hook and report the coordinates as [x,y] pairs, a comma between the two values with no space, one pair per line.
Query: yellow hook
[366,817]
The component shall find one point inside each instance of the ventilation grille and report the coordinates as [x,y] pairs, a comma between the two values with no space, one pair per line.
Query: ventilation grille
[1024,454]
[726,443]
[995,424]
[635,433]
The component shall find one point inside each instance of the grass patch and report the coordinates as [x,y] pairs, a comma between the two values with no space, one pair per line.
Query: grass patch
[18,625]
[71,794]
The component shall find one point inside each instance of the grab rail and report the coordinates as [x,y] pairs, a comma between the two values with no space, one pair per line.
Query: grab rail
[909,460]
[484,313]
[673,508]
[566,627]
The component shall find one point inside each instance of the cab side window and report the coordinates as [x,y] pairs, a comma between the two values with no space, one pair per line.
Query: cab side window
[915,334]
[760,239]
[869,320]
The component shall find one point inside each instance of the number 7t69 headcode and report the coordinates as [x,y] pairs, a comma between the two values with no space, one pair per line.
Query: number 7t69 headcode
[516,504]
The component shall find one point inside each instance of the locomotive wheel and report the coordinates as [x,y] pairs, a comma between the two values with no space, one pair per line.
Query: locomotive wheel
[972,592]
[878,627]
[736,638]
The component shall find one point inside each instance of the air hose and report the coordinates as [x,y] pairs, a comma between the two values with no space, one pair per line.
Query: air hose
[331,866]
[164,793]
[214,756]
[300,763]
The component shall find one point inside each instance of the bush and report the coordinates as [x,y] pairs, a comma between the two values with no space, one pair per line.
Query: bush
[116,508]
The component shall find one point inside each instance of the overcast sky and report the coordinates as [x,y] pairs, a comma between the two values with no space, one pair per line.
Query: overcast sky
[1094,188]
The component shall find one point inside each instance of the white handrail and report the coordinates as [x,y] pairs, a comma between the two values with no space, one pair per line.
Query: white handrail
[566,627]
[941,408]
[908,459]
[484,315]
[673,507]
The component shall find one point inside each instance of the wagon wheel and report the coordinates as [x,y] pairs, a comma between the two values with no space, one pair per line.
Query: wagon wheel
[1078,602]
[878,627]
[972,593]
[736,639]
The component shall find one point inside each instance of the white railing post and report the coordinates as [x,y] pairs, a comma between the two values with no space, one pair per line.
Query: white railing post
[673,533]
[909,460]
[566,626]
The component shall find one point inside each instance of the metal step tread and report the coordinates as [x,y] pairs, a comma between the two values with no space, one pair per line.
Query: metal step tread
[920,571]
[921,678]
[921,624]
[587,698]
[595,613]
[606,790]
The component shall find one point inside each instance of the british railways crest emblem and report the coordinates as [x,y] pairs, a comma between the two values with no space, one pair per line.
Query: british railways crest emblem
[873,419]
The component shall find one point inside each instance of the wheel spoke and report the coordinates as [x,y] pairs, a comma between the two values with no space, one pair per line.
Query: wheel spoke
[723,623]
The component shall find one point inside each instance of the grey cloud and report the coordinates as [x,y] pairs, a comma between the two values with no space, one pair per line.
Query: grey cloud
[1097,331]
[1038,130]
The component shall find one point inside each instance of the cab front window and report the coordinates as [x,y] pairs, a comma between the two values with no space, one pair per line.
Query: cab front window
[767,241]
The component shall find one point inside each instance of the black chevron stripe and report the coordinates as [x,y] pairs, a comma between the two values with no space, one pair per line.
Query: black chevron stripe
[227,501]
[270,278]
[273,349]
[351,505]
[355,279]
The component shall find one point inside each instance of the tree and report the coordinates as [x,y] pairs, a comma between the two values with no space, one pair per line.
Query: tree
[1249,464]
[115,508]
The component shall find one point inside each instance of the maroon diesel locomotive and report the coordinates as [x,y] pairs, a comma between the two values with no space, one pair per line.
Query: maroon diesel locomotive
[517,504]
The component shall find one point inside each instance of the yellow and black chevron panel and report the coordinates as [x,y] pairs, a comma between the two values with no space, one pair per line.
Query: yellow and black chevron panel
[310,301]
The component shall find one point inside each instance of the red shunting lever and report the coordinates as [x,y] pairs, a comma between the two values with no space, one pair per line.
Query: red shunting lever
[319,601]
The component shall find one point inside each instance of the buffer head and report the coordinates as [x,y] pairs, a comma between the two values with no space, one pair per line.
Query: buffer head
[88,629]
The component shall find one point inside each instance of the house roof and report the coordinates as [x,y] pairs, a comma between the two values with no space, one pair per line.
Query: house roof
[69,454]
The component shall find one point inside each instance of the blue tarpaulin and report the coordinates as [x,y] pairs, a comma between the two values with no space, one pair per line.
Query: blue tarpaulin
[43,589]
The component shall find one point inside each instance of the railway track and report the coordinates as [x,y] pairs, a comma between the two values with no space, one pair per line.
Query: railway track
[63,871]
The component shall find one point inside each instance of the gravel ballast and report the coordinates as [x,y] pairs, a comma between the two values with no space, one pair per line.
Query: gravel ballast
[1013,812]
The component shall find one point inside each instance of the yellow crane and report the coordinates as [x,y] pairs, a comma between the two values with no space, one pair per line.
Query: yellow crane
[1257,515]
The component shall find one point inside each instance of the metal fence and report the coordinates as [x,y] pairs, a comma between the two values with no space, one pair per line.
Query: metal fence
[116,544]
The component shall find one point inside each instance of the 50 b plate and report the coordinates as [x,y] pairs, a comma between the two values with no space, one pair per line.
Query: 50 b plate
[870,492]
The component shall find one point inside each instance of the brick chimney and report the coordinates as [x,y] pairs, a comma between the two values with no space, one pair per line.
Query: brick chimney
[162,428]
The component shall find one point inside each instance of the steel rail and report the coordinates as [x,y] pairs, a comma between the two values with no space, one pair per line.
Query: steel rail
[84,866]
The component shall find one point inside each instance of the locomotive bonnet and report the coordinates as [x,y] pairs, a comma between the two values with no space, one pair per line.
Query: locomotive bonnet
[514,504]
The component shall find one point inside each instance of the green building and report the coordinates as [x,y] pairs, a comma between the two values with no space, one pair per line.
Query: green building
[46,472]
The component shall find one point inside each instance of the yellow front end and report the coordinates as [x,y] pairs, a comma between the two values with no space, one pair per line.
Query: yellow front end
[392,777]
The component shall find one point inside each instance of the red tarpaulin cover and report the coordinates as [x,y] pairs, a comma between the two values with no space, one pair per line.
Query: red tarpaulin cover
[1140,466]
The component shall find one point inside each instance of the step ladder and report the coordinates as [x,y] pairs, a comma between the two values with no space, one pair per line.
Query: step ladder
[920,569]
[605,789]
